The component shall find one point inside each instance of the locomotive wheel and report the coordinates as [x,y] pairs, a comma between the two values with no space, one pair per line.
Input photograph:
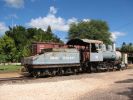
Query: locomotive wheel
[35,75]
[114,68]
[98,69]
[126,66]
[31,75]
[119,67]
[108,68]
[90,68]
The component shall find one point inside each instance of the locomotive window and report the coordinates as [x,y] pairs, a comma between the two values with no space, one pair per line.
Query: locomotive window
[97,46]
[93,48]
[100,46]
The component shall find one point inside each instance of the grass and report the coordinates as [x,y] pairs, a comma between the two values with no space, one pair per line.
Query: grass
[10,68]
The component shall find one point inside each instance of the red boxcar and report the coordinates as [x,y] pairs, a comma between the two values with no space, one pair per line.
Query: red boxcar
[37,47]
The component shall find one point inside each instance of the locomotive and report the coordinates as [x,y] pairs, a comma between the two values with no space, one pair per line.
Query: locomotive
[81,55]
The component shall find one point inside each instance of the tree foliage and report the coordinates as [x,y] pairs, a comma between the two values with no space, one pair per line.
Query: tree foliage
[16,43]
[7,49]
[127,47]
[49,31]
[94,29]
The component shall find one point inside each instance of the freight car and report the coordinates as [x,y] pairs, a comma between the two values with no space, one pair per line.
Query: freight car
[37,47]
[82,55]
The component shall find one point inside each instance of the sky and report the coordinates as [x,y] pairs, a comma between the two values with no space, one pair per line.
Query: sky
[59,14]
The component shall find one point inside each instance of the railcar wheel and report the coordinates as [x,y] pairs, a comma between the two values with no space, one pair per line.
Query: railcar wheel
[69,70]
[62,71]
[53,73]
[59,71]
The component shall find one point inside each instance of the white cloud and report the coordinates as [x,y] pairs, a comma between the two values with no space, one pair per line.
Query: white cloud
[3,28]
[56,23]
[115,35]
[53,10]
[15,3]
[69,21]
[86,20]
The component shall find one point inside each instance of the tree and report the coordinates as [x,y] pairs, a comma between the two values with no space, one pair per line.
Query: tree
[45,36]
[94,29]
[23,39]
[123,44]
[3,58]
[39,36]
[19,35]
[7,49]
[127,47]
[124,47]
[49,31]
[130,47]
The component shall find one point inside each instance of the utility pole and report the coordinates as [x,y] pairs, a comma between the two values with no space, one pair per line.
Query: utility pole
[53,3]
[12,23]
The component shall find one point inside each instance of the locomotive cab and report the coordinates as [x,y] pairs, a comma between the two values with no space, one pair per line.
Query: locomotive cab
[90,50]
[95,53]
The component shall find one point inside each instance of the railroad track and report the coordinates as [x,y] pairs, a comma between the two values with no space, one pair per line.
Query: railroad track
[21,79]
[25,78]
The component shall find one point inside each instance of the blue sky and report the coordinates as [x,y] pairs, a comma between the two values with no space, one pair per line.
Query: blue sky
[60,13]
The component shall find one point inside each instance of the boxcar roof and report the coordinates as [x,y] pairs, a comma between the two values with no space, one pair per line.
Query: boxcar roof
[83,42]
[47,43]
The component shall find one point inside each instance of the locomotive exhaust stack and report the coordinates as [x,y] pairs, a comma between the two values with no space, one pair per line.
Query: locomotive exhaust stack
[114,46]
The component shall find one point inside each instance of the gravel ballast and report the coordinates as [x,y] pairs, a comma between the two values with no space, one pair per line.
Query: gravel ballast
[74,87]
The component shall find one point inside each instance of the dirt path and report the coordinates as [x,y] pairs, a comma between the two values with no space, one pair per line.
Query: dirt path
[10,75]
[96,86]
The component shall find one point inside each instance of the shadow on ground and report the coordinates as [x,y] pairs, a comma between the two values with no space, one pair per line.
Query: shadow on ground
[128,93]
[131,74]
[125,81]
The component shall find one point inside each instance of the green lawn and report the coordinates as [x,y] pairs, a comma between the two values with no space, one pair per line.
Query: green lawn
[10,68]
